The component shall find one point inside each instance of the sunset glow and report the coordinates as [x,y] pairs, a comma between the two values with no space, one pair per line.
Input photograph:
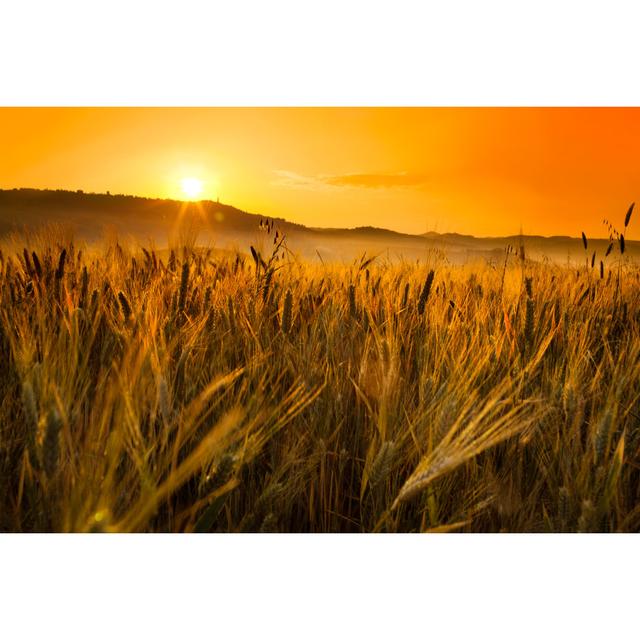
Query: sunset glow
[485,171]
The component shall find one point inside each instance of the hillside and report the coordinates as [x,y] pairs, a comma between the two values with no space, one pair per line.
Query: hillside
[92,216]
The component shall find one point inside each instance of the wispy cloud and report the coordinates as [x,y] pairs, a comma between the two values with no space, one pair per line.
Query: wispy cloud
[294,180]
[378,180]
[350,180]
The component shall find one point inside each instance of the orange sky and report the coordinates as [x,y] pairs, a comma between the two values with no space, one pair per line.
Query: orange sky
[486,171]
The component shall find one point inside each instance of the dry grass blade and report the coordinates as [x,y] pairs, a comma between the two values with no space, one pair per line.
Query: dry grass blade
[468,437]
[209,447]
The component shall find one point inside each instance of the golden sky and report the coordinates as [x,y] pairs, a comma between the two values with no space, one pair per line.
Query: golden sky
[485,171]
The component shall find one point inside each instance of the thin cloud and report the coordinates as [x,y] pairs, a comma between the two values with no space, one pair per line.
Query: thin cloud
[377,180]
[294,180]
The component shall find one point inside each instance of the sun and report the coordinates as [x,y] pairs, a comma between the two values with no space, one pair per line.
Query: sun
[191,187]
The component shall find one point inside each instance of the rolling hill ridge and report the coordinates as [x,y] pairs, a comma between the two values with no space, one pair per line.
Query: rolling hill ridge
[94,215]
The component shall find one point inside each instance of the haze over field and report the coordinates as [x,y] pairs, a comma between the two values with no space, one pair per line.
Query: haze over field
[92,217]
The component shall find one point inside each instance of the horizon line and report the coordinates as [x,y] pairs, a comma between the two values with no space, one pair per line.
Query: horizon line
[109,194]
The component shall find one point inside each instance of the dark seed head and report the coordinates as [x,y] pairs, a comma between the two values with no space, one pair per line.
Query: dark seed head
[627,218]
[424,295]
[286,313]
[61,261]
[124,305]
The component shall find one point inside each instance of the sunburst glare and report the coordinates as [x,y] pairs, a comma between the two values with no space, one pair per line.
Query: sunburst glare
[191,187]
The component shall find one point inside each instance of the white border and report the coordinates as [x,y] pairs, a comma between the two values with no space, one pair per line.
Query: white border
[334,52]
[297,586]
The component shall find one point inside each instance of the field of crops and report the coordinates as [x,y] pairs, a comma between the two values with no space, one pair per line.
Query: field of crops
[188,390]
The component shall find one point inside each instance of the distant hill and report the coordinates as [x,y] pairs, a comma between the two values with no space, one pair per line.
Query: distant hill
[94,215]
[90,214]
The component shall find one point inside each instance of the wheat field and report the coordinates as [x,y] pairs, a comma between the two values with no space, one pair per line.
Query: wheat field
[190,390]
